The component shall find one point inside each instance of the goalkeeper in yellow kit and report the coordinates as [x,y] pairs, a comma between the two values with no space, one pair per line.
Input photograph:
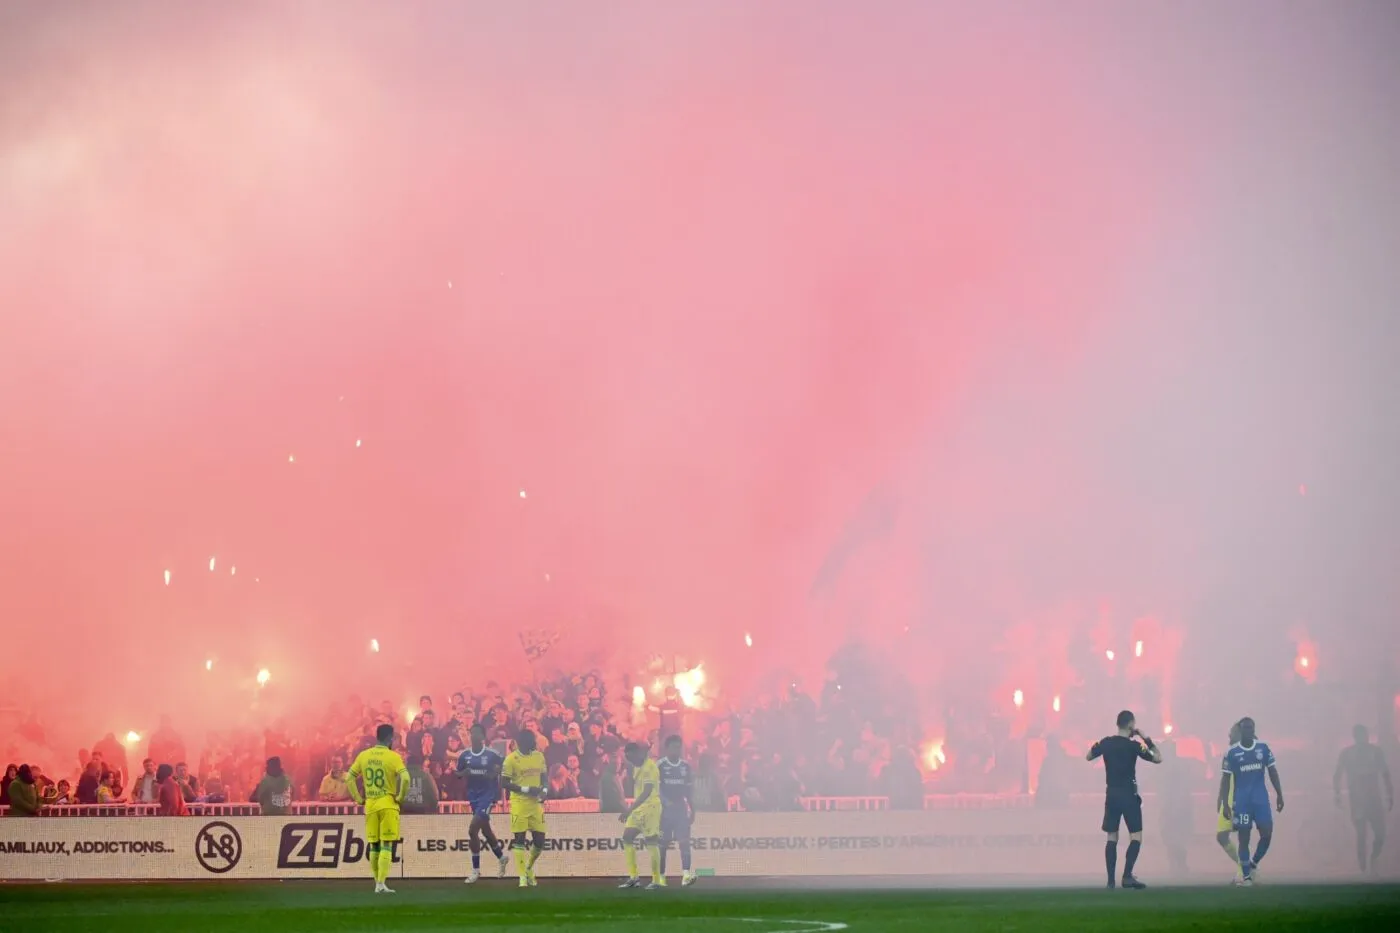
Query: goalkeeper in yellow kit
[385,784]
[523,774]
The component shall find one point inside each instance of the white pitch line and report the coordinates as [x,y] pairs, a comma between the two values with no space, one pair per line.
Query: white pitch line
[788,926]
[793,926]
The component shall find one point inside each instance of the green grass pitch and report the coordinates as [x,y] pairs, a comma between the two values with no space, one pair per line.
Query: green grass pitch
[714,906]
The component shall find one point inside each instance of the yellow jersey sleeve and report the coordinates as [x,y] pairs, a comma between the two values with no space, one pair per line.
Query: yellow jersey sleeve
[509,769]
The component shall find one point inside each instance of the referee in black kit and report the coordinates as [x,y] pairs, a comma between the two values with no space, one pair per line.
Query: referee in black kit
[1121,802]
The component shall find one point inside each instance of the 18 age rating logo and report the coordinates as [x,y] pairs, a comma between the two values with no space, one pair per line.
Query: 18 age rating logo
[218,848]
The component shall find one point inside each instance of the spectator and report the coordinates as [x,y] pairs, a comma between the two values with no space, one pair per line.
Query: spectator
[11,772]
[553,719]
[609,787]
[590,778]
[454,750]
[24,795]
[709,789]
[65,794]
[172,798]
[1052,784]
[785,788]
[111,754]
[902,782]
[671,710]
[561,786]
[414,740]
[274,791]
[48,791]
[557,753]
[422,796]
[214,790]
[188,783]
[146,789]
[335,786]
[574,767]
[109,789]
[88,783]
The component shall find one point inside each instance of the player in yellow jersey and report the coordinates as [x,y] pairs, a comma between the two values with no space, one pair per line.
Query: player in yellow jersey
[1224,828]
[523,774]
[385,784]
[643,818]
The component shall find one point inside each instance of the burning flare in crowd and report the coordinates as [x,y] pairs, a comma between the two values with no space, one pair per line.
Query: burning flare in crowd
[264,676]
[688,685]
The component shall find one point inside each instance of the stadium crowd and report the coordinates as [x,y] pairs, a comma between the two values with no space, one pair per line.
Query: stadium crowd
[850,740]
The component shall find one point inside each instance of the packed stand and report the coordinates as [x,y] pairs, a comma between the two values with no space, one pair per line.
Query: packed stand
[850,740]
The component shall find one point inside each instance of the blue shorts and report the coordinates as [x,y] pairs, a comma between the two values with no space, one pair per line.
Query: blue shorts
[1253,812]
[481,806]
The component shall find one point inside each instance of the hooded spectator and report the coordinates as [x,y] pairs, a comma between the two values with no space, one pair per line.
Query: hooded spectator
[10,773]
[422,796]
[24,796]
[274,791]
[172,799]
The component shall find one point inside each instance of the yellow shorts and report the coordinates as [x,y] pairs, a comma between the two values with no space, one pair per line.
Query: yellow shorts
[382,825]
[1222,825]
[647,820]
[526,816]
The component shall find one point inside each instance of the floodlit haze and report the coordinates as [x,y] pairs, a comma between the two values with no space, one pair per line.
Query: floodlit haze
[995,335]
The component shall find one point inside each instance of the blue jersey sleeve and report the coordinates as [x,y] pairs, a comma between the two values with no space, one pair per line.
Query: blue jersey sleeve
[1268,756]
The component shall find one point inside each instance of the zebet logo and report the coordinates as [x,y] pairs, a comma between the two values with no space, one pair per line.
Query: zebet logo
[321,845]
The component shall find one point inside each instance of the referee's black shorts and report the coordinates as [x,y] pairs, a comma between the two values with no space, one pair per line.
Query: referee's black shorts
[1122,807]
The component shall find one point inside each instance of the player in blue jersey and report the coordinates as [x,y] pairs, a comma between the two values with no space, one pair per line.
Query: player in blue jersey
[1247,761]
[677,807]
[481,765]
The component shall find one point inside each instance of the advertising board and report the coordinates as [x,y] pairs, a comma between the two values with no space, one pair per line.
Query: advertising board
[1004,845]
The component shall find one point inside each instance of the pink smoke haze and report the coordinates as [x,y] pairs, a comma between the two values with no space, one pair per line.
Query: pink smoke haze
[992,336]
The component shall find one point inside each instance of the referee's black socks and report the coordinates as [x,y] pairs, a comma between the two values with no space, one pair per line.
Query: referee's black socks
[1133,848]
[1110,860]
